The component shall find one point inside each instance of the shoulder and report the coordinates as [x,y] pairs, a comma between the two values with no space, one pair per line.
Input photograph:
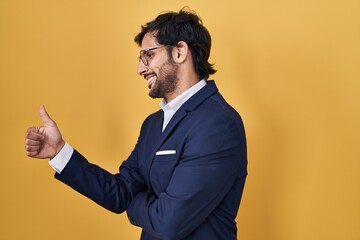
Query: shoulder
[154,116]
[215,110]
[152,120]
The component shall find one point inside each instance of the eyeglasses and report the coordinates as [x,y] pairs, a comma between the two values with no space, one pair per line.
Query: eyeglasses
[146,55]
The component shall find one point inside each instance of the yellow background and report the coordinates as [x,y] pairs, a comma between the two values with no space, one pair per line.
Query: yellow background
[291,68]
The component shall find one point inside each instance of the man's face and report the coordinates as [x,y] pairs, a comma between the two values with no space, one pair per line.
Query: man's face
[161,71]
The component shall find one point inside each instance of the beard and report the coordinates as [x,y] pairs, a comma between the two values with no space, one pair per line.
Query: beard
[166,81]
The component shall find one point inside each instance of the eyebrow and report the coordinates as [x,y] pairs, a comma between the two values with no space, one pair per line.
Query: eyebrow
[147,49]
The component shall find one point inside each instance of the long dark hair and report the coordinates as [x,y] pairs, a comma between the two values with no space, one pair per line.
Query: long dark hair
[186,25]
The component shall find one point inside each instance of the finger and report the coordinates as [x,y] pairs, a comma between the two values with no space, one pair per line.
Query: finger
[31,135]
[41,129]
[32,129]
[32,153]
[32,148]
[30,142]
[45,118]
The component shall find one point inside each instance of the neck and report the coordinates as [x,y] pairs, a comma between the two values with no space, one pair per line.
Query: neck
[187,79]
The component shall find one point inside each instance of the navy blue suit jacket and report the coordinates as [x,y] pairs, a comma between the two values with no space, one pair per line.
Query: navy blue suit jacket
[183,183]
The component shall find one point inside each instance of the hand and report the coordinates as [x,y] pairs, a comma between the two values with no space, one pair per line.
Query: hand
[44,141]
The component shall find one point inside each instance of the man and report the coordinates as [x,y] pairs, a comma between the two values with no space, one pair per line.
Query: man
[185,177]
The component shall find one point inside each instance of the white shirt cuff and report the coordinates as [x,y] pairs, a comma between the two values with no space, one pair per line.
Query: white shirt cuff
[59,162]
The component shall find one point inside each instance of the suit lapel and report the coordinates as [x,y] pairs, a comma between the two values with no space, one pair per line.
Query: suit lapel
[152,133]
[180,114]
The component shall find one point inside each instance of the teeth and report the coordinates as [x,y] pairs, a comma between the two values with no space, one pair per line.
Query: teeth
[150,80]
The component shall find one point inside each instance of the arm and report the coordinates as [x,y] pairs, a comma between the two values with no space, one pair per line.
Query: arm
[113,192]
[210,164]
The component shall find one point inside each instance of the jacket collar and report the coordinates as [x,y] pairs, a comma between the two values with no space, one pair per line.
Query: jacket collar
[200,96]
[191,104]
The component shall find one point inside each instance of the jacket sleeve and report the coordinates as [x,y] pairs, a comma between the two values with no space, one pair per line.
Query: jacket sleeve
[112,191]
[209,166]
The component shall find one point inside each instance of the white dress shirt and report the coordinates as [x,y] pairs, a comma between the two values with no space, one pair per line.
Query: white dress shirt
[171,107]
[59,162]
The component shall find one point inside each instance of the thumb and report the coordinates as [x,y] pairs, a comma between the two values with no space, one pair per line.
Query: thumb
[45,118]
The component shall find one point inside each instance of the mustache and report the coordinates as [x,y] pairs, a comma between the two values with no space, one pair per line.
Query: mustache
[149,74]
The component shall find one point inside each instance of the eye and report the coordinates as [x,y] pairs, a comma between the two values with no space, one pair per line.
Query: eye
[149,54]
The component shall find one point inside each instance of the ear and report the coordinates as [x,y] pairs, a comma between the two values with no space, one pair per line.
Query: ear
[180,52]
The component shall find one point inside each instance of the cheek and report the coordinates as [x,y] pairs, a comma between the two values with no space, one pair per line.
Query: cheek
[156,67]
[158,62]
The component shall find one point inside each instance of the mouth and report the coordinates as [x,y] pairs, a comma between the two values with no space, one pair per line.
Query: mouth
[151,78]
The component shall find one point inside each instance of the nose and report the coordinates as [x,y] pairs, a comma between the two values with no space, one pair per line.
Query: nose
[141,69]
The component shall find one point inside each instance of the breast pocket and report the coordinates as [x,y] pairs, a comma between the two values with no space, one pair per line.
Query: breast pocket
[162,170]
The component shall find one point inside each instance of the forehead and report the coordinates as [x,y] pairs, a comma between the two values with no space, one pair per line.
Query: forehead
[149,41]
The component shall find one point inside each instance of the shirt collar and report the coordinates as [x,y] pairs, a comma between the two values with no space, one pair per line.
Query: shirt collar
[176,103]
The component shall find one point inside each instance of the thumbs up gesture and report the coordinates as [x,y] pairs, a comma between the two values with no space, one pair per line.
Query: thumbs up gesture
[44,141]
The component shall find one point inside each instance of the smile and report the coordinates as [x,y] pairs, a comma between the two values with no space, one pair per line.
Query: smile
[150,79]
